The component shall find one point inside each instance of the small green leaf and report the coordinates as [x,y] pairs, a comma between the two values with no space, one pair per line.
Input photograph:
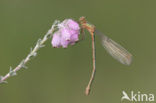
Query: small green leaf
[12,72]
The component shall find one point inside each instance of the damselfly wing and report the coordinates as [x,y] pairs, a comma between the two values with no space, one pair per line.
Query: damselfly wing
[114,49]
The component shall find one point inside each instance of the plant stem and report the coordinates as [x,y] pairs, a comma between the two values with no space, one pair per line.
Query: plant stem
[33,53]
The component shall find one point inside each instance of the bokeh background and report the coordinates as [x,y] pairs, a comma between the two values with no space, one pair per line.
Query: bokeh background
[61,75]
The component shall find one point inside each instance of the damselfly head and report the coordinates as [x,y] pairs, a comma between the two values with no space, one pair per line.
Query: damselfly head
[82,20]
[85,25]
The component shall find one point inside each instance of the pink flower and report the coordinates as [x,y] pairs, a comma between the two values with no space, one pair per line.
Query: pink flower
[71,24]
[67,34]
[56,41]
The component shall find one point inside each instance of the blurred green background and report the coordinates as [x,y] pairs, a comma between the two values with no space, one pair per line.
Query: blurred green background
[61,75]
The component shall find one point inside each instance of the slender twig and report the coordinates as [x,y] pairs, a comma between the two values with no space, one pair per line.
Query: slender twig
[94,65]
[33,53]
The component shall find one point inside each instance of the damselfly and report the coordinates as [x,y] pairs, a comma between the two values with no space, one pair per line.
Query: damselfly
[113,48]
